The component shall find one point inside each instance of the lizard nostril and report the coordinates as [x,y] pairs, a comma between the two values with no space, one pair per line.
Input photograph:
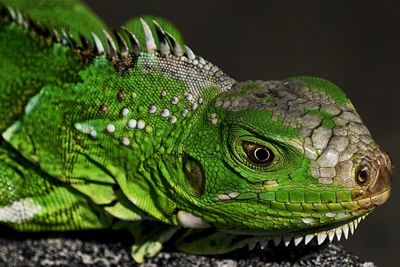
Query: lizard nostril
[362,175]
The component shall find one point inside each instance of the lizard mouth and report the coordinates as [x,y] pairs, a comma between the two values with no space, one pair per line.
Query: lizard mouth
[323,233]
[329,232]
[320,235]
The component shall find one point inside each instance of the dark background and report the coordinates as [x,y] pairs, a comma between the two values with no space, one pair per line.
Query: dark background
[356,44]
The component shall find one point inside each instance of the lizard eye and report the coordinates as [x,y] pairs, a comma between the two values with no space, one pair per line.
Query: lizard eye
[258,154]
[362,175]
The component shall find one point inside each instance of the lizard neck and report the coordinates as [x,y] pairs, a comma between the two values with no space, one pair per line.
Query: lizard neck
[154,104]
[144,117]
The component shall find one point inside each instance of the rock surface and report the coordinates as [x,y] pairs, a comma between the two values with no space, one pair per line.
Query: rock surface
[101,249]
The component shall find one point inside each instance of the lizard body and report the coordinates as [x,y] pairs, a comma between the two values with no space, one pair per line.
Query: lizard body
[133,130]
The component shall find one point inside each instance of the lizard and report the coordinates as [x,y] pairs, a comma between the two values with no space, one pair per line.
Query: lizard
[131,129]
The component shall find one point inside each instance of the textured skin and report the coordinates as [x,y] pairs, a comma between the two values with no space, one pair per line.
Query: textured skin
[161,139]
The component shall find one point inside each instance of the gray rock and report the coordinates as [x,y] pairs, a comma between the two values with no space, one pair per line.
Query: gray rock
[102,249]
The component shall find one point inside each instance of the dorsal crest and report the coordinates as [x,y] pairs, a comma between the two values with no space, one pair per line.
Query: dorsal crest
[119,43]
[121,46]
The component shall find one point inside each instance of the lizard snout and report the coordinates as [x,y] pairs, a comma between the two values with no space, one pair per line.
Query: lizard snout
[375,176]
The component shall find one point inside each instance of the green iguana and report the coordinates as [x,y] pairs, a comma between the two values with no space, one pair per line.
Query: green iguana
[131,129]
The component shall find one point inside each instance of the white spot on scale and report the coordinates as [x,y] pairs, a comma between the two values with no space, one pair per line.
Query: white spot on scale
[174,100]
[342,215]
[330,214]
[214,119]
[223,197]
[307,220]
[152,109]
[110,128]
[78,126]
[20,211]
[93,133]
[141,124]
[173,119]
[86,129]
[229,196]
[165,112]
[124,112]
[163,93]
[125,141]
[132,123]
[189,96]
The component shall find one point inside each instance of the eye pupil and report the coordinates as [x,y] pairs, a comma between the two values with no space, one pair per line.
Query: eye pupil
[362,175]
[258,154]
[262,154]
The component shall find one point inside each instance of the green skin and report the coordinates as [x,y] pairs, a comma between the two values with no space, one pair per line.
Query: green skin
[96,141]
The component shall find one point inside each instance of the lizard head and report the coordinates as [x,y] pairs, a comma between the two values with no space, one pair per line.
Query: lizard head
[285,158]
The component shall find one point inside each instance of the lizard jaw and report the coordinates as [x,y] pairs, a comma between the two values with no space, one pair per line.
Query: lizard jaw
[321,236]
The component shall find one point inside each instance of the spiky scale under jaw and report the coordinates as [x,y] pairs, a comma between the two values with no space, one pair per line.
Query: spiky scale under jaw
[319,236]
[311,119]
